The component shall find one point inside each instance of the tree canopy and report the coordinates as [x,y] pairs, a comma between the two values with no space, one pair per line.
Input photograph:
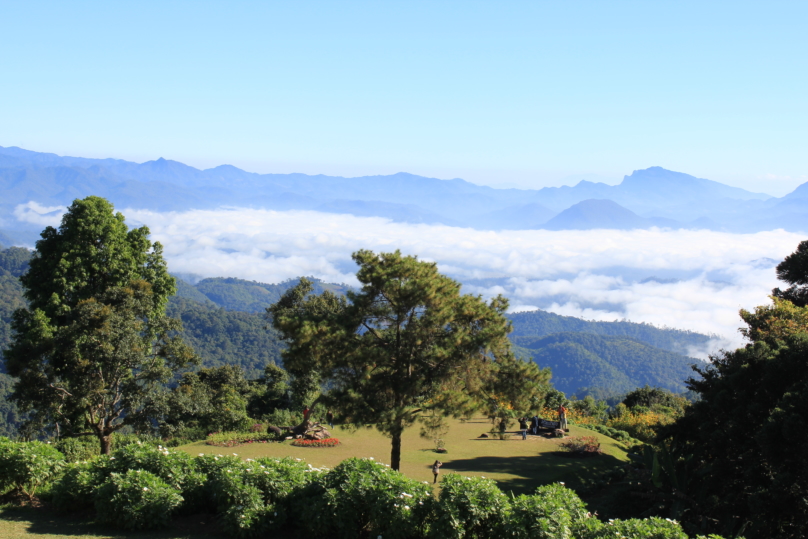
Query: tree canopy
[388,350]
[94,348]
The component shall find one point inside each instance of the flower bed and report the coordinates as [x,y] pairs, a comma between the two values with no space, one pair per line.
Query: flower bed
[582,446]
[232,439]
[327,442]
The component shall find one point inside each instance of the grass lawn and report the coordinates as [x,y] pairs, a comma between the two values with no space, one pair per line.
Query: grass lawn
[517,465]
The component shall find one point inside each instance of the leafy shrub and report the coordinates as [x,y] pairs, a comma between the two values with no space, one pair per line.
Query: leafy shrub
[326,442]
[641,423]
[470,507]
[27,466]
[232,439]
[258,427]
[553,512]
[619,435]
[360,498]
[176,468]
[582,445]
[283,418]
[79,449]
[136,500]
[75,489]
[649,528]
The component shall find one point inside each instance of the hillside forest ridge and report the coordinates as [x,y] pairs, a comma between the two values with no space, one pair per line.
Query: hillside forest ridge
[653,197]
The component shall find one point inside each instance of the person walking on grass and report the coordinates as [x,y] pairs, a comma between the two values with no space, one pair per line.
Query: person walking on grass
[523,427]
[562,417]
[436,470]
[329,417]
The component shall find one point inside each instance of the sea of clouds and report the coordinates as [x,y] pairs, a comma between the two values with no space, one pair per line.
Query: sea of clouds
[688,279]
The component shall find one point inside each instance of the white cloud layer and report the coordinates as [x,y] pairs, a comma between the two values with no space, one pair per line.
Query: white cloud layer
[696,280]
[37,214]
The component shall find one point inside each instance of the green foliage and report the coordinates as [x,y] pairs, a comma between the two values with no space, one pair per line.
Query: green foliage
[361,497]
[176,468]
[469,507]
[212,400]
[553,512]
[223,337]
[655,398]
[78,449]
[254,496]
[619,435]
[136,500]
[10,417]
[25,467]
[94,348]
[745,438]
[75,490]
[649,528]
[387,350]
[614,365]
[794,271]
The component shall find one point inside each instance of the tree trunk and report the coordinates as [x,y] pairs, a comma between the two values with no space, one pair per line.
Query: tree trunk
[395,453]
[106,444]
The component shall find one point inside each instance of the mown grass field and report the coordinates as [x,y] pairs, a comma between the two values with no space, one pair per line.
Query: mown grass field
[518,466]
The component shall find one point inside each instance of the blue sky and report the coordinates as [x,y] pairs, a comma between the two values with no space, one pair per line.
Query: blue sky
[500,93]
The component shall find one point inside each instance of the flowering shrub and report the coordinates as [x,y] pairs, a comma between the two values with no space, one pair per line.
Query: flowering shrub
[27,466]
[469,507]
[232,439]
[75,489]
[326,442]
[258,427]
[648,528]
[641,425]
[136,500]
[176,468]
[361,497]
[582,445]
[553,512]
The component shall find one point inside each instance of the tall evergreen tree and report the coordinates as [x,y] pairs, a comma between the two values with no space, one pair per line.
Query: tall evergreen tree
[94,348]
[388,350]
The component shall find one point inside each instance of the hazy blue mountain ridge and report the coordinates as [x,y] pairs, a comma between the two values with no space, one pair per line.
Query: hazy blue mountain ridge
[657,197]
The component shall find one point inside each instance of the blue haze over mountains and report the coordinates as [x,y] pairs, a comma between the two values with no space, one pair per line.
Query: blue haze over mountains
[653,197]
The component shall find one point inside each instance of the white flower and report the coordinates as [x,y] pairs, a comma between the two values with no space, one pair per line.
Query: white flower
[201,454]
[371,458]
[407,495]
[145,489]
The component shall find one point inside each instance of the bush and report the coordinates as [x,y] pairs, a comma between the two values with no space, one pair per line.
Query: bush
[75,489]
[176,468]
[470,507]
[79,449]
[582,445]
[554,512]
[326,442]
[361,498]
[649,528]
[136,500]
[27,466]
[232,439]
[283,418]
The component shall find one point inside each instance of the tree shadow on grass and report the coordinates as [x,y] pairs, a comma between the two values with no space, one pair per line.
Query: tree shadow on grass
[45,522]
[529,472]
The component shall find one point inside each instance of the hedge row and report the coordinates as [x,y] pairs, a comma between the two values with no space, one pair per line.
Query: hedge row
[142,486]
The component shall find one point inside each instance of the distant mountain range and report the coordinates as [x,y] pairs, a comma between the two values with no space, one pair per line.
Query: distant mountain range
[644,199]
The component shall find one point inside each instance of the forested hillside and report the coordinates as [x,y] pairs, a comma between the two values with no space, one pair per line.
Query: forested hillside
[612,365]
[542,323]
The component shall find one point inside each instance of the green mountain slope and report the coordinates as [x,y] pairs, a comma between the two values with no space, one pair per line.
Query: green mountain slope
[223,337]
[584,361]
[251,296]
[542,323]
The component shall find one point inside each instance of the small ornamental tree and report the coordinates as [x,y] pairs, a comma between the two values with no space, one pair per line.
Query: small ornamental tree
[93,350]
[395,347]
